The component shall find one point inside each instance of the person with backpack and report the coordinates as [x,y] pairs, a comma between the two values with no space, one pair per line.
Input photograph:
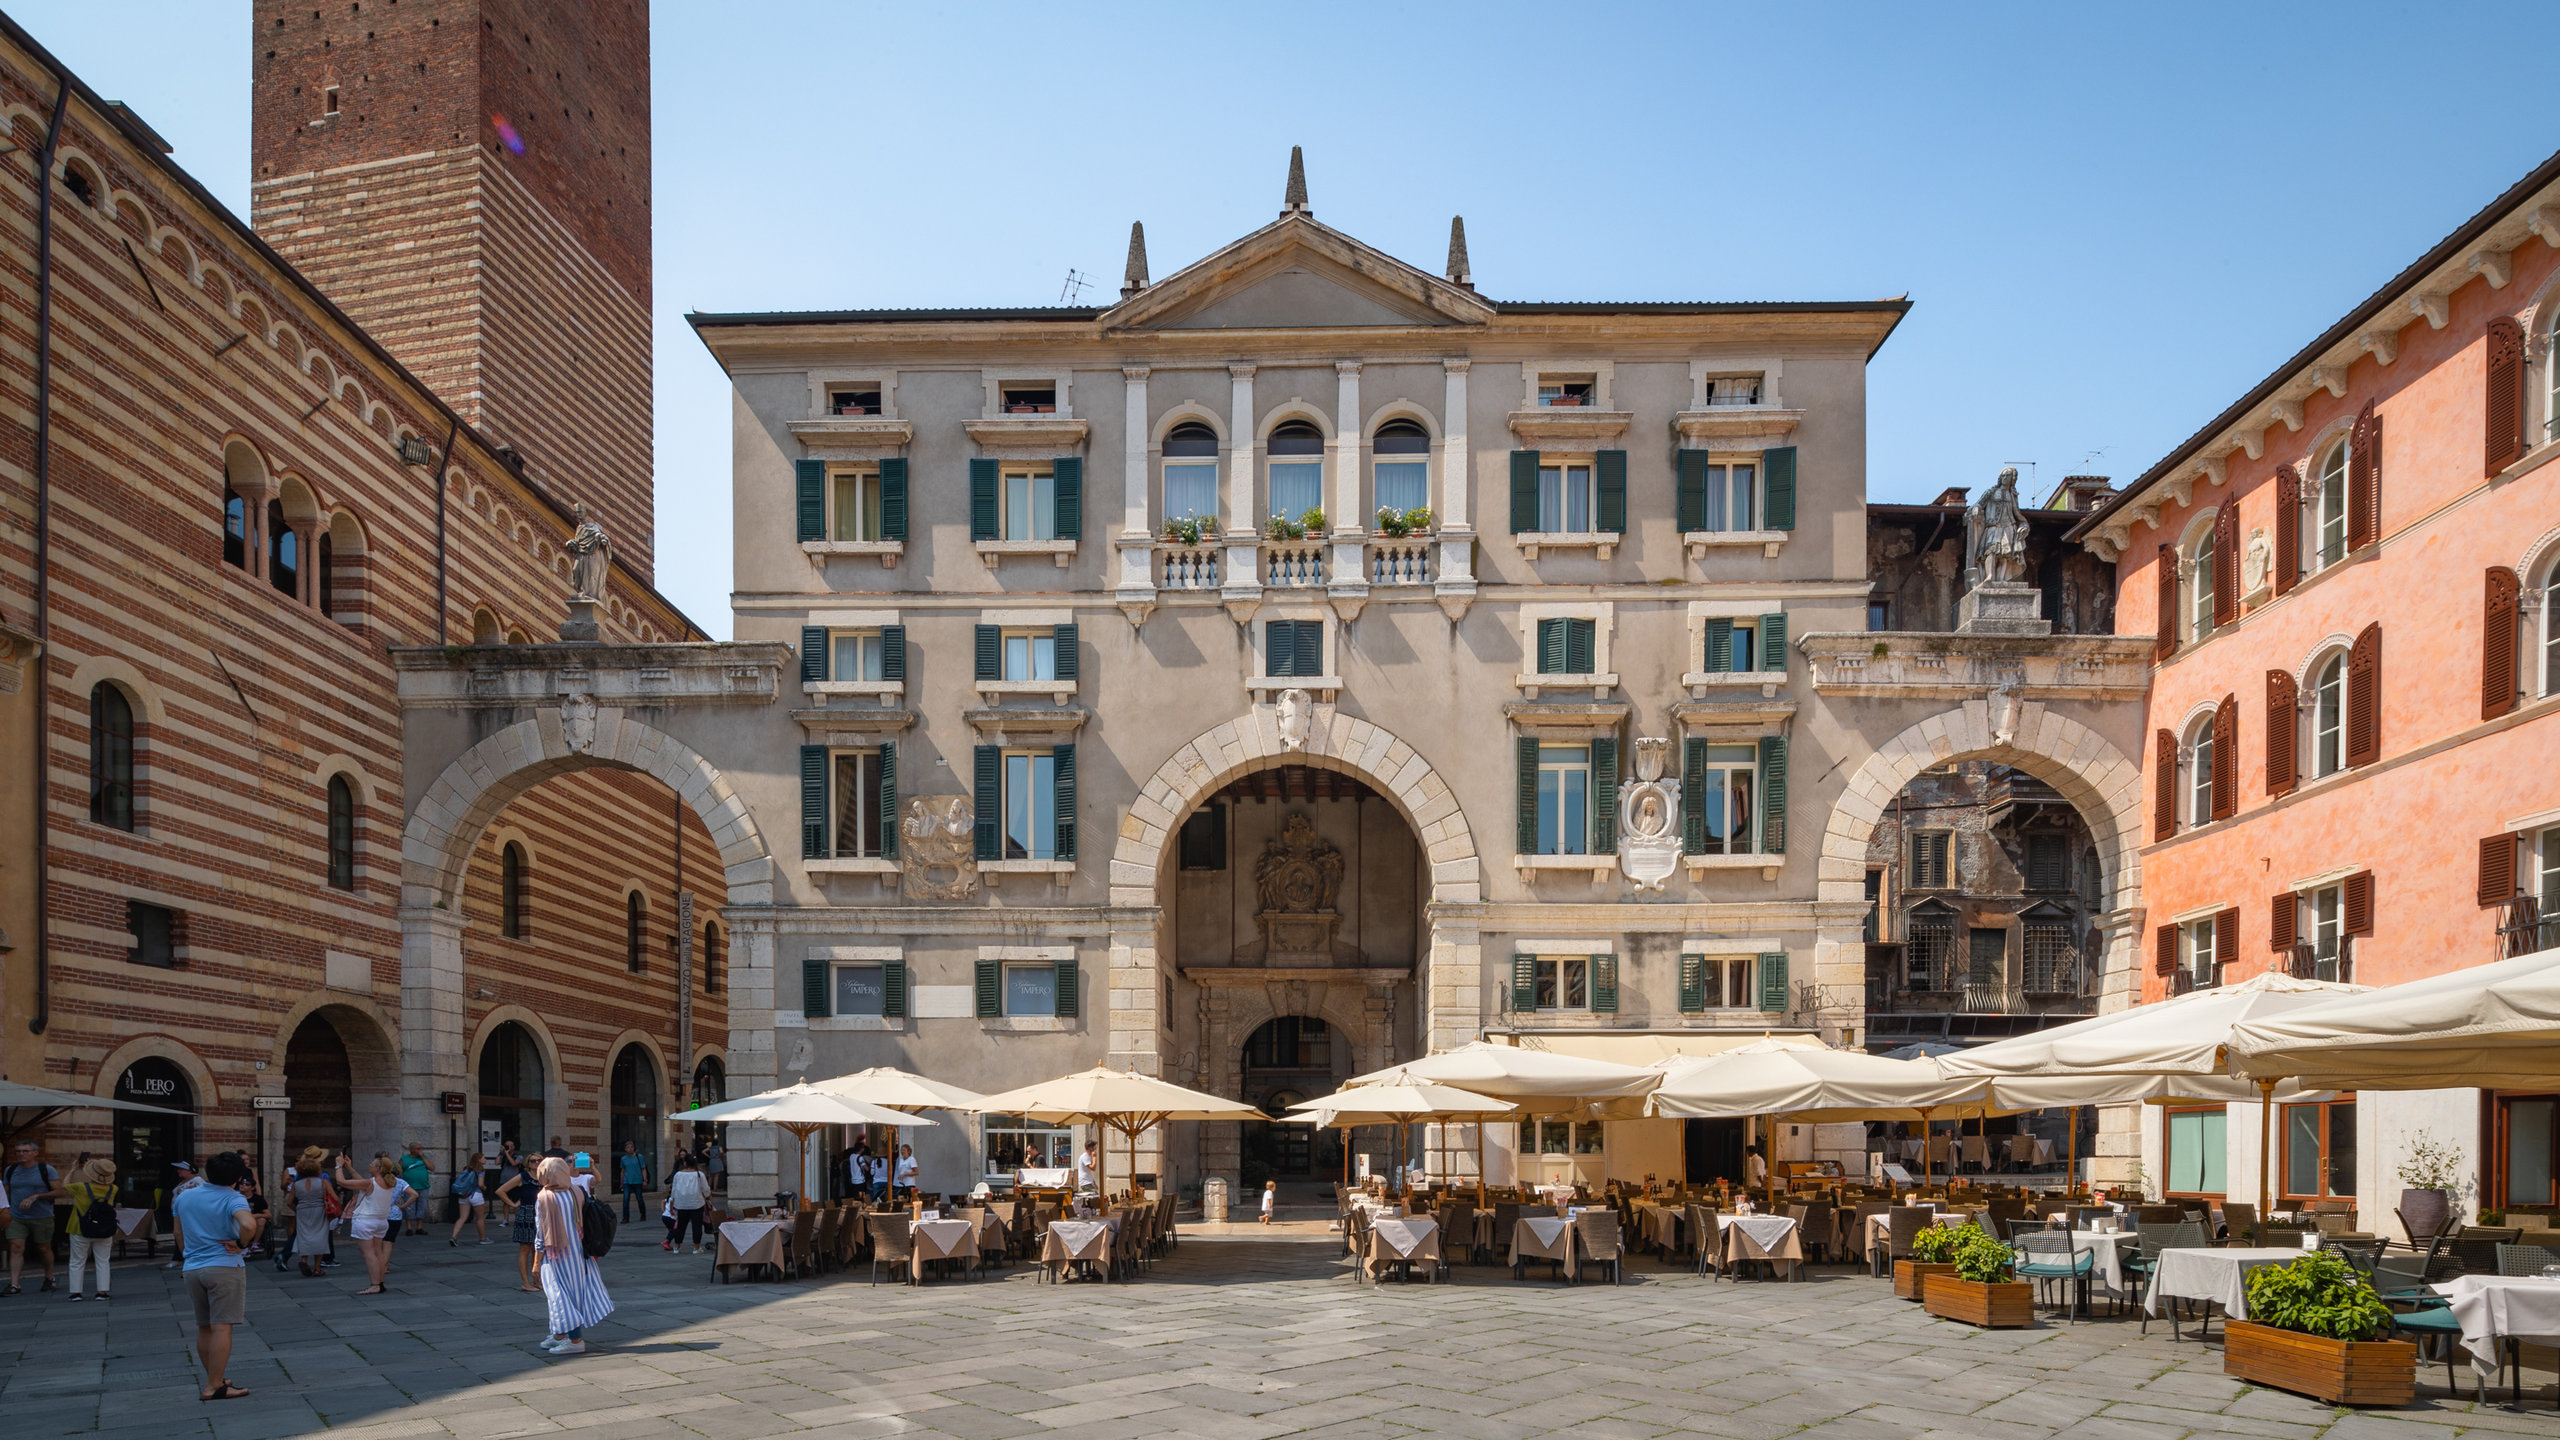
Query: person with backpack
[93,1220]
[575,1229]
[469,1203]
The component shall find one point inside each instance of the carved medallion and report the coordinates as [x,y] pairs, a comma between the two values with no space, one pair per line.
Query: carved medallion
[937,848]
[1297,718]
[1300,872]
[578,722]
[1648,826]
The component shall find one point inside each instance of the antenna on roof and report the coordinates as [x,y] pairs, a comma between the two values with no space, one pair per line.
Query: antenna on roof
[1073,291]
[2029,466]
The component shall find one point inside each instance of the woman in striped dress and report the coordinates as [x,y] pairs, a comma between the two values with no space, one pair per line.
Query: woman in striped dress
[570,1282]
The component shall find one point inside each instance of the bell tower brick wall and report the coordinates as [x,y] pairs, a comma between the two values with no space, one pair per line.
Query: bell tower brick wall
[479,201]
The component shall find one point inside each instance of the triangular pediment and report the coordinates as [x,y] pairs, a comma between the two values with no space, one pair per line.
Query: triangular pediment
[1295,274]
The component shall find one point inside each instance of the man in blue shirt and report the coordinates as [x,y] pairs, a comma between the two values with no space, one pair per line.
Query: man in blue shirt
[633,1171]
[219,1222]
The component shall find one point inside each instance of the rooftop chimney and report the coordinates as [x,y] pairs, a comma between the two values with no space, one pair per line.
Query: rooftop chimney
[1294,201]
[1459,274]
[1135,278]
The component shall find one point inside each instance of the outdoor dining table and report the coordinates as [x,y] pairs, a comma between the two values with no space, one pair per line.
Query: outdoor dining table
[1069,1241]
[1761,1237]
[994,1237]
[2106,1274]
[942,1240]
[2493,1308]
[2218,1276]
[1543,1237]
[2030,1150]
[1660,1226]
[750,1242]
[1879,1228]
[1397,1239]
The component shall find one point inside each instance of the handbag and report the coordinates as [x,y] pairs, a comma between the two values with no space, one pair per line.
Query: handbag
[330,1205]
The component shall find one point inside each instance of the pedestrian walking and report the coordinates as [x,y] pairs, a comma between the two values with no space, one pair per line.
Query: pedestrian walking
[28,1188]
[519,1191]
[572,1287]
[469,1203]
[419,1176]
[632,1174]
[219,1222]
[689,1191]
[879,1168]
[315,1209]
[715,1163]
[1270,1197]
[376,1196]
[93,1220]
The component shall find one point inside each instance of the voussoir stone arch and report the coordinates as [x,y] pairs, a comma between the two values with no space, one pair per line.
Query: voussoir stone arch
[463,801]
[1335,741]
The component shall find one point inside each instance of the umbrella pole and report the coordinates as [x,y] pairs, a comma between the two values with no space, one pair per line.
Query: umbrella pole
[1479,1162]
[2266,1125]
[2071,1156]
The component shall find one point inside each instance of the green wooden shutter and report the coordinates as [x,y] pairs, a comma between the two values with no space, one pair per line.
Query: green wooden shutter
[990,801]
[1693,984]
[1693,801]
[1773,794]
[1526,836]
[810,478]
[1773,643]
[1773,982]
[990,653]
[1070,998]
[888,799]
[1551,647]
[1581,644]
[1062,761]
[893,498]
[813,653]
[1310,647]
[1604,795]
[817,987]
[893,652]
[1719,656]
[982,500]
[990,990]
[1279,647]
[1064,638]
[893,990]
[1610,479]
[1069,493]
[1524,982]
[1604,984]
[1778,505]
[813,802]
[1693,491]
[1524,491]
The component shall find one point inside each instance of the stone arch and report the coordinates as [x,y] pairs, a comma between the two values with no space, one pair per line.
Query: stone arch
[1334,741]
[1249,1008]
[555,1097]
[1188,412]
[372,1042]
[165,1047]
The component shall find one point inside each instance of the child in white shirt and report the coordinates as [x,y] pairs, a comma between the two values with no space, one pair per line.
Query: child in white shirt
[1270,1197]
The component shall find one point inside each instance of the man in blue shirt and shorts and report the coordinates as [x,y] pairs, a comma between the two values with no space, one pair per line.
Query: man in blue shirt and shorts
[219,1222]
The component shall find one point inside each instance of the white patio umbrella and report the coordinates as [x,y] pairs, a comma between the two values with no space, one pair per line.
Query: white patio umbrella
[1768,1078]
[2494,1026]
[891,1088]
[1121,1100]
[1538,1082]
[2183,1036]
[24,1107]
[803,1110]
[1403,1100]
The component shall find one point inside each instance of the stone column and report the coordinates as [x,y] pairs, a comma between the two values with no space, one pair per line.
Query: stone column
[1347,578]
[1242,574]
[1836,1001]
[1221,1141]
[1453,980]
[1455,573]
[431,1059]
[755,1151]
[2114,1150]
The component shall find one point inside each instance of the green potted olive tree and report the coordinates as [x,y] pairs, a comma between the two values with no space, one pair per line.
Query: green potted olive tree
[2315,1327]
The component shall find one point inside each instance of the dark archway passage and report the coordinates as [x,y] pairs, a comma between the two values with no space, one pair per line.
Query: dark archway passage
[320,1080]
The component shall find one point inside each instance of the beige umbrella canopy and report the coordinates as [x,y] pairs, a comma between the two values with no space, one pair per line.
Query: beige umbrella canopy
[24,1107]
[2495,1026]
[1402,1099]
[1809,1084]
[1538,1082]
[891,1088]
[803,1110]
[1121,1100]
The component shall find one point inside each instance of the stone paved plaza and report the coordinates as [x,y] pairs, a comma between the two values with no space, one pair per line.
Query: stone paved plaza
[1233,1338]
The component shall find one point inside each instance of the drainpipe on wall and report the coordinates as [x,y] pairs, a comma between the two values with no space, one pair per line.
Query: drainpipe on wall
[44,554]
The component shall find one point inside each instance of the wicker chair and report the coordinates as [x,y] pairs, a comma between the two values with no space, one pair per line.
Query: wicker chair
[1903,1225]
[2239,1222]
[1506,1214]
[1597,1241]
[1706,1234]
[800,1257]
[892,1243]
[1457,1218]
[1816,1228]
[849,1236]
[822,1245]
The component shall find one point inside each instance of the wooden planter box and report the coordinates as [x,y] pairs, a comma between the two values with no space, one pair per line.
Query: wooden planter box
[2342,1372]
[1908,1275]
[2010,1305]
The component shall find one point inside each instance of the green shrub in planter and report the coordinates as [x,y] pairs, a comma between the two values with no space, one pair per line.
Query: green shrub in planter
[1935,1246]
[1983,1259]
[2319,1294]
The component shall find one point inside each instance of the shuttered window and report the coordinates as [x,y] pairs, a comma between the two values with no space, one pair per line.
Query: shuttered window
[2164,640]
[2283,773]
[2500,626]
[2292,519]
[1693,984]
[810,482]
[1610,486]
[2497,869]
[1604,984]
[1567,646]
[2359,906]
[2164,785]
[2226,758]
[984,508]
[1929,866]
[1779,498]
[2503,406]
[1524,491]
[1293,647]
[2364,697]
[813,802]
[2364,483]
[1773,982]
[2226,565]
[1604,796]
[2048,862]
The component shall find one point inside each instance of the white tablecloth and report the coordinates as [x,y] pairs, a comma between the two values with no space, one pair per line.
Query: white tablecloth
[943,1240]
[2106,1274]
[1545,1227]
[1766,1231]
[742,1235]
[2503,1307]
[130,1222]
[2215,1275]
[1557,1194]
[1403,1235]
[1060,1178]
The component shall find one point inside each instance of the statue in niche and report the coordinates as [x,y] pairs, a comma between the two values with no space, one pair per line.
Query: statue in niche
[1996,534]
[2257,562]
[937,848]
[1648,832]
[594,556]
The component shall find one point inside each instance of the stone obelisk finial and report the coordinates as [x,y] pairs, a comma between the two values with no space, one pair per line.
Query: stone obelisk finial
[1134,279]
[1459,274]
[1294,201]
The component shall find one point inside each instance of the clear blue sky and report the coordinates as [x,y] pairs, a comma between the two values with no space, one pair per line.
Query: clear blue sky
[2110,225]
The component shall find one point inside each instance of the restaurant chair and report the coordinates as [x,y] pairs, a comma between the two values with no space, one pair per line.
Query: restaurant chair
[849,1237]
[1505,1214]
[800,1257]
[1598,1241]
[2436,1325]
[1817,1230]
[2452,1221]
[2085,1217]
[2526,1259]
[1457,1231]
[822,1246]
[892,1242]
[2159,1214]
[1902,1225]
[2239,1222]
[2360,1251]
[1706,1234]
[2476,1247]
[2051,1257]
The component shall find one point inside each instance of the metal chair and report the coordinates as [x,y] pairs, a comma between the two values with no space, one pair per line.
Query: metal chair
[2476,1247]
[2438,1326]
[2075,1267]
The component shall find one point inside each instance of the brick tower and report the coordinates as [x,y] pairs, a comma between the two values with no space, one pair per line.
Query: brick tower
[469,179]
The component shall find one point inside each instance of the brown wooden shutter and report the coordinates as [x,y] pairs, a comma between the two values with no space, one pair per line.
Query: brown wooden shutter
[2505,404]
[2498,644]
[2226,563]
[2164,786]
[2165,950]
[2364,478]
[2364,697]
[2226,937]
[2284,771]
[2498,869]
[2165,643]
[2226,758]
[2359,907]
[2282,913]
[2288,528]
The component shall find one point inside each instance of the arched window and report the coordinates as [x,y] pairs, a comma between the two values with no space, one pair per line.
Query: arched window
[511,897]
[635,916]
[710,957]
[2548,612]
[284,552]
[1296,470]
[110,757]
[511,1083]
[235,529]
[83,185]
[2200,588]
[2200,777]
[2551,379]
[342,833]
[484,627]
[1191,473]
[635,1104]
[2329,716]
[1401,472]
[2324,513]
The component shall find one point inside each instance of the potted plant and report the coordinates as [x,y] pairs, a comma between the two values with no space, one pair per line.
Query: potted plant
[2315,1328]
[1933,1252]
[1398,524]
[1985,1289]
[2432,1175]
[1281,527]
[1312,523]
[1185,531]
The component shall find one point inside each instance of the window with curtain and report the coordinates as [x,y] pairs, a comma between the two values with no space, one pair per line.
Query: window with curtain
[1401,473]
[2199,1151]
[2319,1150]
[2328,717]
[2200,775]
[1564,799]
[1296,470]
[1565,499]
[1191,473]
[2529,1145]
[1030,805]
[1726,799]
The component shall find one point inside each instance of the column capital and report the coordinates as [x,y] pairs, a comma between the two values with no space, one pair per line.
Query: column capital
[1241,370]
[1135,372]
[1347,367]
[1457,367]
[434,919]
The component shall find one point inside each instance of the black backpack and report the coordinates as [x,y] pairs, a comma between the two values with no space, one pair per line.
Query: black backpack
[595,1228]
[98,1221]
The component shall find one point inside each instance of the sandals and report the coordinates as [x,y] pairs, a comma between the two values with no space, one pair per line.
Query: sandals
[374,1290]
[225,1391]
[12,1290]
